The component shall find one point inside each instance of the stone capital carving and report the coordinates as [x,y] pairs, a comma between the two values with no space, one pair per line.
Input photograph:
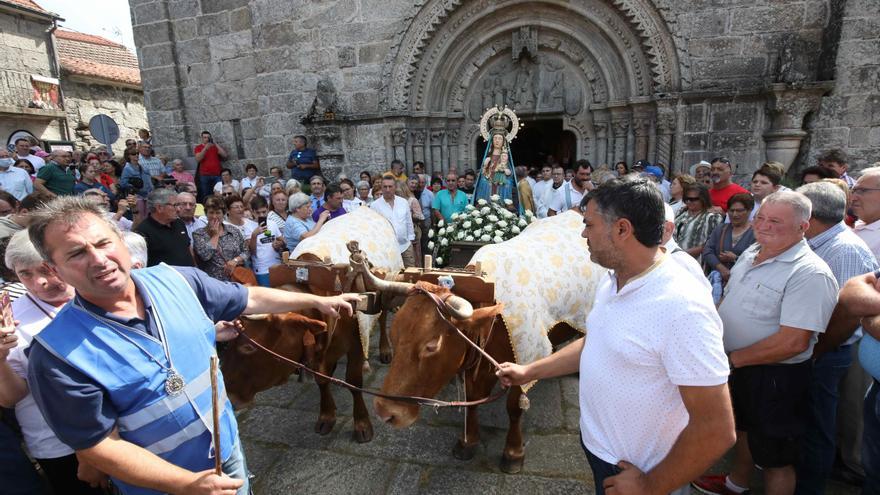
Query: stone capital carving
[418,137]
[665,123]
[437,137]
[398,136]
[452,136]
[620,127]
[641,127]
[601,130]
[788,105]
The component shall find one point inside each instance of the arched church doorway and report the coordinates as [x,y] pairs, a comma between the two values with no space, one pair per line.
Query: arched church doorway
[536,143]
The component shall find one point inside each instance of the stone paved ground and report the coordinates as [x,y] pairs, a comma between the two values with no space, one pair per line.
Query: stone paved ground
[289,458]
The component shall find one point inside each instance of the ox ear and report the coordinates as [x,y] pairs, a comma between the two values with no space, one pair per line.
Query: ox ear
[480,323]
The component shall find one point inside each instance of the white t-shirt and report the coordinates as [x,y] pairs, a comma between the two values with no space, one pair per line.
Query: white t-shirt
[39,438]
[642,344]
[218,187]
[266,256]
[246,229]
[538,193]
[560,200]
[36,161]
[248,183]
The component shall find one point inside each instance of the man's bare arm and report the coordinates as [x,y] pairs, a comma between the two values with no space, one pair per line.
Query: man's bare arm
[784,344]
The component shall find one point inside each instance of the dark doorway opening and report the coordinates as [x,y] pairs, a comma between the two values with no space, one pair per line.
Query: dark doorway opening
[536,142]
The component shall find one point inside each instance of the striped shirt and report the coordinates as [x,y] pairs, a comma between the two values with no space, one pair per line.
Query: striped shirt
[847,255]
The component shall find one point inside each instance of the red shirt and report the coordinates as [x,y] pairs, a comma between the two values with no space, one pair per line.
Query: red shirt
[210,164]
[720,196]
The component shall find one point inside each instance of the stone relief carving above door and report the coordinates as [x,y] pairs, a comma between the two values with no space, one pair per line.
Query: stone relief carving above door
[544,86]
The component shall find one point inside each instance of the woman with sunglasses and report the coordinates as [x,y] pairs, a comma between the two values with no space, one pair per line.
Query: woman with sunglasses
[728,241]
[695,221]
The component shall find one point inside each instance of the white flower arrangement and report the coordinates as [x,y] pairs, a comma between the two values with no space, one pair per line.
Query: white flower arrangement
[489,221]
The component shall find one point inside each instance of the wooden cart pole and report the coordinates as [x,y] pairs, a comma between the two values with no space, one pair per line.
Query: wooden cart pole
[215,407]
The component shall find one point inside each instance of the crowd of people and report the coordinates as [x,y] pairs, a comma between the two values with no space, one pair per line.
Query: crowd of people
[764,266]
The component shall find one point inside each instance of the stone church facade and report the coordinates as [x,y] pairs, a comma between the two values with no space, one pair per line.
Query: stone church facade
[372,80]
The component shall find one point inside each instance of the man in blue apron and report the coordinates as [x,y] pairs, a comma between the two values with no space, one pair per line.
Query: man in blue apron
[122,372]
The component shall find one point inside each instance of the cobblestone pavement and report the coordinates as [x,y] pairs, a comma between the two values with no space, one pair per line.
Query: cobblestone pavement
[288,457]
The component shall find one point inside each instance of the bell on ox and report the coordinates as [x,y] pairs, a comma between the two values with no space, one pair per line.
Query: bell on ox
[174,383]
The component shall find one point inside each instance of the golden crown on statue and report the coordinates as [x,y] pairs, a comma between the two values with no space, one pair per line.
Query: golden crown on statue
[497,120]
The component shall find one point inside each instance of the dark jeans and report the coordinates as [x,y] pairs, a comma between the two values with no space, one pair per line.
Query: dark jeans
[818,441]
[17,474]
[206,186]
[871,441]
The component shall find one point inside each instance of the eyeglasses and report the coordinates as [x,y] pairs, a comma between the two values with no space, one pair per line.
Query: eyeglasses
[863,190]
[688,200]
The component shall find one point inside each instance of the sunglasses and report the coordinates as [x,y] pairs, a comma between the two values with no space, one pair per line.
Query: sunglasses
[228,194]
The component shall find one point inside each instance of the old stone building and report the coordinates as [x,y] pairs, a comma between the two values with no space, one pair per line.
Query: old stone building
[99,76]
[30,99]
[52,80]
[607,80]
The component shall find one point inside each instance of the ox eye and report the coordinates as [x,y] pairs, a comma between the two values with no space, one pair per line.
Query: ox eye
[432,346]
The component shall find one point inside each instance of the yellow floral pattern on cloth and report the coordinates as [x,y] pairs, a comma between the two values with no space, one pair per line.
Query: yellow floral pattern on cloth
[543,276]
[377,240]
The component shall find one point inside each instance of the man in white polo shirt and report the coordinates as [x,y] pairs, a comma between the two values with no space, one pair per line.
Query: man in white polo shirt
[397,211]
[654,404]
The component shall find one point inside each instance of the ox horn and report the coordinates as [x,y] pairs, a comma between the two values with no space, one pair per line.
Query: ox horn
[459,307]
[255,317]
[389,286]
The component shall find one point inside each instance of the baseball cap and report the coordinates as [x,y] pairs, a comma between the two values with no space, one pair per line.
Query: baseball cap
[655,171]
[641,164]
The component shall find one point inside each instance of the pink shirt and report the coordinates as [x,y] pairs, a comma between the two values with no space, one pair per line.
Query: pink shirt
[870,233]
[183,177]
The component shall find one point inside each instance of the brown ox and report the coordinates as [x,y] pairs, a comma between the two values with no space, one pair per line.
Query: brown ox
[252,370]
[428,353]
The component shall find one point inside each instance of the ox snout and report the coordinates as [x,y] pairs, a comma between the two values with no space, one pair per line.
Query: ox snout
[396,414]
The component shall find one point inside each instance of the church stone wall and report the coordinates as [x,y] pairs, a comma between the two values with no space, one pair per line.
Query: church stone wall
[674,81]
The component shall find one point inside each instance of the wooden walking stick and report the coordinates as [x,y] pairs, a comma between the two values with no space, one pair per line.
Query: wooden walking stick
[215,407]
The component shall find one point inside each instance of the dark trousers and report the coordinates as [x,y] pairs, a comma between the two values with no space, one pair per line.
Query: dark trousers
[818,442]
[17,474]
[61,473]
[206,186]
[871,441]
[600,468]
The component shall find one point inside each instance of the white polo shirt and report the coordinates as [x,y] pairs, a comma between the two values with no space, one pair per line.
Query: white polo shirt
[642,343]
[39,438]
[16,181]
[565,198]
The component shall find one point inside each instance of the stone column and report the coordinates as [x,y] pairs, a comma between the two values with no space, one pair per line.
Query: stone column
[665,132]
[436,147]
[601,151]
[788,105]
[418,147]
[452,146]
[398,144]
[641,128]
[620,128]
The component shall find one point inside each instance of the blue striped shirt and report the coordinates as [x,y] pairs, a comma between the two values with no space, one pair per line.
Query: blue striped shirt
[847,255]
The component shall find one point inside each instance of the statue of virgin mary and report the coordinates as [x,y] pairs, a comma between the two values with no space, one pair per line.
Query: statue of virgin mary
[497,175]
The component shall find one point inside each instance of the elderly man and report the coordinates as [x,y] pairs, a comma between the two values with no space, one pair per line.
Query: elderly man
[316,189]
[779,297]
[866,206]
[166,235]
[14,180]
[847,256]
[186,209]
[654,405]
[722,188]
[23,151]
[56,178]
[397,211]
[450,200]
[149,434]
[151,164]
[46,295]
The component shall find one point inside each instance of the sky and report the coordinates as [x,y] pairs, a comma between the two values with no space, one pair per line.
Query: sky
[108,18]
